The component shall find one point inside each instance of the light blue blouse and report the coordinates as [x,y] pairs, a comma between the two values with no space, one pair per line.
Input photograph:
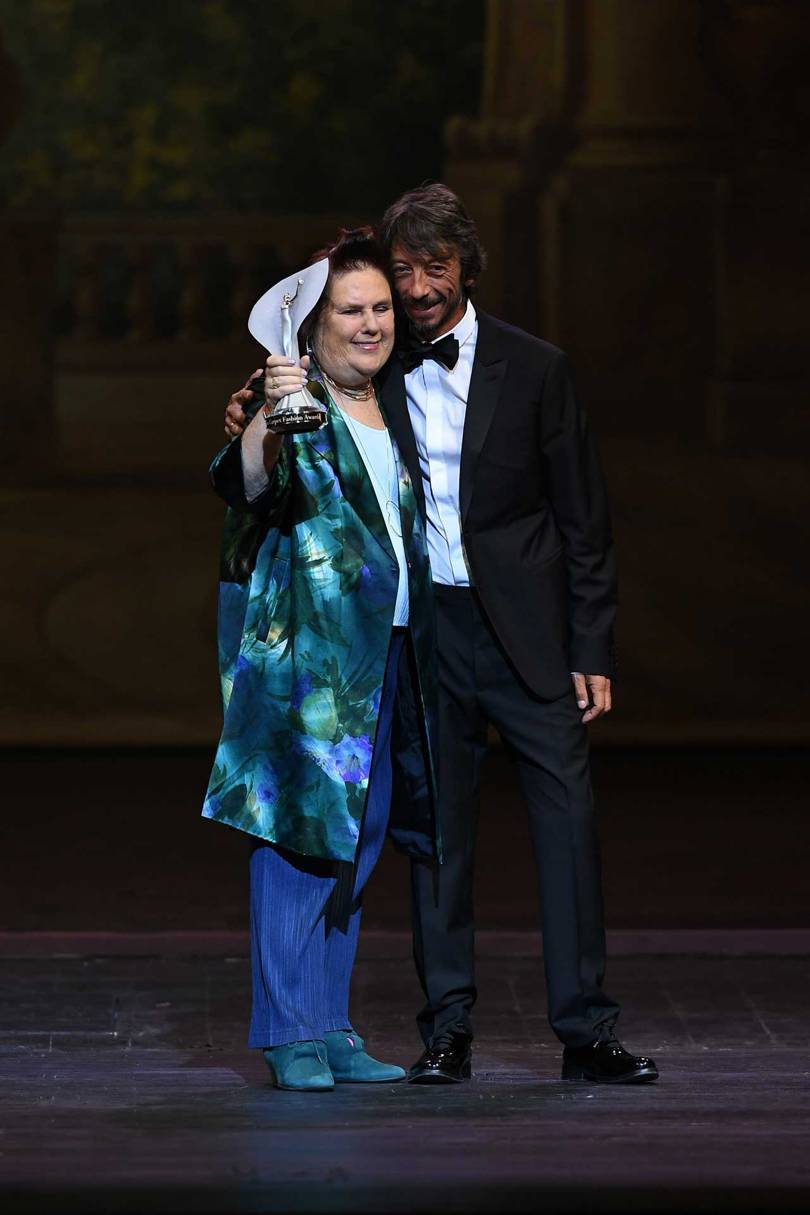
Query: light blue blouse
[379,456]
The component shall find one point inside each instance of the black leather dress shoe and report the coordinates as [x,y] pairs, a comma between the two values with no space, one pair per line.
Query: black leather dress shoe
[607,1062]
[447,1060]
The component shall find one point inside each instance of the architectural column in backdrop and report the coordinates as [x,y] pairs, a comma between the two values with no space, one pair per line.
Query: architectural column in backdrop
[640,172]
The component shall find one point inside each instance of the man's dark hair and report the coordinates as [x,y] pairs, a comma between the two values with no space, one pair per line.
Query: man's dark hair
[432,220]
[354,249]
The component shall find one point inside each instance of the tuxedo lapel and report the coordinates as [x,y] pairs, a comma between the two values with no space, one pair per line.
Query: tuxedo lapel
[394,407]
[489,368]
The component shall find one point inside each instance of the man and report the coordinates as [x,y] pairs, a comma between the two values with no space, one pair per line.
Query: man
[521,555]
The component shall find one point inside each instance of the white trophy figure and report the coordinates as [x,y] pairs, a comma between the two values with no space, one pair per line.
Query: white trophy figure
[275,321]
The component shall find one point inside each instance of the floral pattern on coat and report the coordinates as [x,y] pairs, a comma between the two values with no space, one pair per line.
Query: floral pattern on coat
[308,587]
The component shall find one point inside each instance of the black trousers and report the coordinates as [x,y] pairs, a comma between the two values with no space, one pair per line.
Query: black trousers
[549,747]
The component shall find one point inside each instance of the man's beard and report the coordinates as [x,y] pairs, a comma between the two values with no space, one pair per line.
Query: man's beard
[428,332]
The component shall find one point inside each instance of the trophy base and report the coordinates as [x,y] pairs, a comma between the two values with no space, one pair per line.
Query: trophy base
[296,420]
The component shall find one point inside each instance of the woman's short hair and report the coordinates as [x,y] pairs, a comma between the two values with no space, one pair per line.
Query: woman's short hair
[432,220]
[354,249]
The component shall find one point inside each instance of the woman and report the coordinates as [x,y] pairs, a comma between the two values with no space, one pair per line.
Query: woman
[326,655]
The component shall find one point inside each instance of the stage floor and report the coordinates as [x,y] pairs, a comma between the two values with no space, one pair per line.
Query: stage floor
[127,1088]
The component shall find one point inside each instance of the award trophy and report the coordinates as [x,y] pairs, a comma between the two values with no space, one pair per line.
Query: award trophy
[275,322]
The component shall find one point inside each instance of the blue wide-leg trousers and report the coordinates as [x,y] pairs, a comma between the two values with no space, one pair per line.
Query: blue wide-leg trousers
[305,912]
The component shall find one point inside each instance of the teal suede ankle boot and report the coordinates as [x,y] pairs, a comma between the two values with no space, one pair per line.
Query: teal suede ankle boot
[351,1065]
[301,1066]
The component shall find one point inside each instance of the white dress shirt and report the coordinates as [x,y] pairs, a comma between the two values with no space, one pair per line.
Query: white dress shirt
[437,404]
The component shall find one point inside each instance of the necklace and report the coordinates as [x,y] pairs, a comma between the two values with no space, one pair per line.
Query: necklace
[354,394]
[384,496]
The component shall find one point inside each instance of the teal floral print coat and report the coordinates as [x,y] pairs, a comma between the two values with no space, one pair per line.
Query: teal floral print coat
[308,587]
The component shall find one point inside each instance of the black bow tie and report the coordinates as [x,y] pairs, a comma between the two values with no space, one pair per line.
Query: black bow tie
[445,351]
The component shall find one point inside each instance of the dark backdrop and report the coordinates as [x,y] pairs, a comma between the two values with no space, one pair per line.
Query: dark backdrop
[639,171]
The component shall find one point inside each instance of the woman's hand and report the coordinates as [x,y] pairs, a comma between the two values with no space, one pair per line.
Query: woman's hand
[283,376]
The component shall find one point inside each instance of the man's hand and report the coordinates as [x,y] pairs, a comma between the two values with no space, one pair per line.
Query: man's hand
[281,377]
[235,417]
[593,695]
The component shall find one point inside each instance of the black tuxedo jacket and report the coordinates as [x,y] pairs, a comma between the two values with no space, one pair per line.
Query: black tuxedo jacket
[534,513]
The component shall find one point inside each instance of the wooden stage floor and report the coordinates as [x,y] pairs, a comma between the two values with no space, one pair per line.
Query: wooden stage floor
[127,1088]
